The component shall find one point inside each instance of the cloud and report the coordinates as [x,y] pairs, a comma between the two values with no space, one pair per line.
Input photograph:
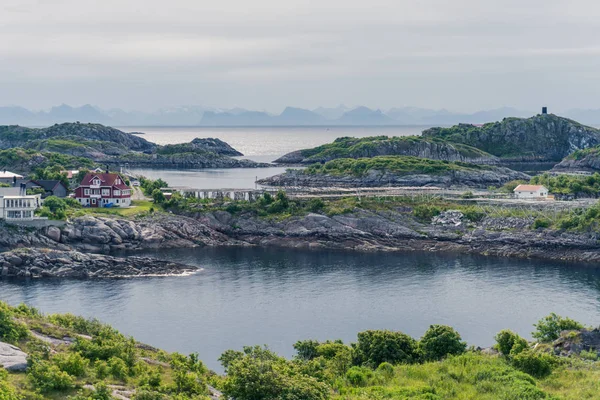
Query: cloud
[383,53]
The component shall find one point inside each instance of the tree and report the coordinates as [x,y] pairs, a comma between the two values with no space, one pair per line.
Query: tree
[509,342]
[306,349]
[440,341]
[260,374]
[549,327]
[376,347]
[158,196]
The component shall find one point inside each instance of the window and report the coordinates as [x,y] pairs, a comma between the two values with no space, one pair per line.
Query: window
[86,192]
[96,181]
[117,192]
[105,192]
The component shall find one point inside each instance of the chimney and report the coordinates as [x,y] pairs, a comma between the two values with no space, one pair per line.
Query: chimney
[23,190]
[544,110]
[107,168]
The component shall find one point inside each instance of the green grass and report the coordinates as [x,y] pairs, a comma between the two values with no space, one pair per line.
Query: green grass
[395,164]
[138,207]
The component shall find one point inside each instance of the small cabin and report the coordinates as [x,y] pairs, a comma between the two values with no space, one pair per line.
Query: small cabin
[531,192]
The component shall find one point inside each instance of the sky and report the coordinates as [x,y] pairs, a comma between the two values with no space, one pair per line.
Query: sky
[462,55]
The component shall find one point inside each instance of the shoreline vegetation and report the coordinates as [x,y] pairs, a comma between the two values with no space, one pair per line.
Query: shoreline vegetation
[62,356]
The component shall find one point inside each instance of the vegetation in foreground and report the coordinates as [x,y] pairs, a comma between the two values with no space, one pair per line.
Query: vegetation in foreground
[100,363]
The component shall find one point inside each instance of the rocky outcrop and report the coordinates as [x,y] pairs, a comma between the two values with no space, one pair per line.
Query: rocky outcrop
[574,342]
[476,178]
[348,147]
[12,358]
[213,145]
[545,137]
[46,263]
[587,160]
[184,160]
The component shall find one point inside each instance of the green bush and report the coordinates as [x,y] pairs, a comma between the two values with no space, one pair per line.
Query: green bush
[426,212]
[10,329]
[386,370]
[306,349]
[359,376]
[118,368]
[315,205]
[6,391]
[537,364]
[71,363]
[47,377]
[376,347]
[541,223]
[440,341]
[101,369]
[548,328]
[507,341]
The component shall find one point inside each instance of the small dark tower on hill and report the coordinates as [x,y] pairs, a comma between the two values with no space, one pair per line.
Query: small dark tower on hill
[544,110]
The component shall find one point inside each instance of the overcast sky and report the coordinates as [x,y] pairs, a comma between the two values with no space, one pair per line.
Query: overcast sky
[464,55]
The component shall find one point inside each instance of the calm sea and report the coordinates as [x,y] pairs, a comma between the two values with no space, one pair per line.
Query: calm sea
[264,144]
[276,297]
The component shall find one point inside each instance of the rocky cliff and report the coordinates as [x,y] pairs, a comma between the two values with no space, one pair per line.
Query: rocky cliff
[347,147]
[545,137]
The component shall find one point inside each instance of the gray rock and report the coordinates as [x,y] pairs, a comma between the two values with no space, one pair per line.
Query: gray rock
[12,358]
[53,233]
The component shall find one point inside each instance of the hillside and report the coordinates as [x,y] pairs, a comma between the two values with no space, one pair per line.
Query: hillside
[397,171]
[106,145]
[415,146]
[62,356]
[539,138]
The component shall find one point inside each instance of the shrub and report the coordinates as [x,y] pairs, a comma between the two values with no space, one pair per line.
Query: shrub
[118,368]
[541,223]
[386,370]
[536,364]
[426,212]
[149,395]
[440,341]
[47,377]
[71,363]
[507,341]
[358,376]
[591,355]
[10,329]
[376,347]
[102,369]
[549,327]
[315,205]
[6,391]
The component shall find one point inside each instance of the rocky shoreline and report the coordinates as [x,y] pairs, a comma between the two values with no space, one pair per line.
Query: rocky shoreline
[46,263]
[361,230]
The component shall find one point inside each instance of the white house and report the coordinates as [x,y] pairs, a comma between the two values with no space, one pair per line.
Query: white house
[531,192]
[16,205]
[9,177]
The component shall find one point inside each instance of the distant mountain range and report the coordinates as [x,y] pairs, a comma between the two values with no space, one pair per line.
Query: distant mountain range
[291,116]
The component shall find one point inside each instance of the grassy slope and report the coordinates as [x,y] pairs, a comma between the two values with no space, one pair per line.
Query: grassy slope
[402,165]
[348,147]
[143,364]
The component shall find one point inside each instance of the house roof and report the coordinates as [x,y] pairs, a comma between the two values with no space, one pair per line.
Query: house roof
[528,188]
[7,174]
[107,179]
[48,185]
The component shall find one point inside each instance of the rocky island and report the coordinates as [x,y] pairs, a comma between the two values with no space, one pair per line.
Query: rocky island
[397,171]
[415,146]
[76,145]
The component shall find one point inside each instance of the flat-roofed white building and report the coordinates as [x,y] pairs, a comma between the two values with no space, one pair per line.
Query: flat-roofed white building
[16,205]
[531,192]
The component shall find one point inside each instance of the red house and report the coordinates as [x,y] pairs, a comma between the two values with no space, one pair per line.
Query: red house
[102,189]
